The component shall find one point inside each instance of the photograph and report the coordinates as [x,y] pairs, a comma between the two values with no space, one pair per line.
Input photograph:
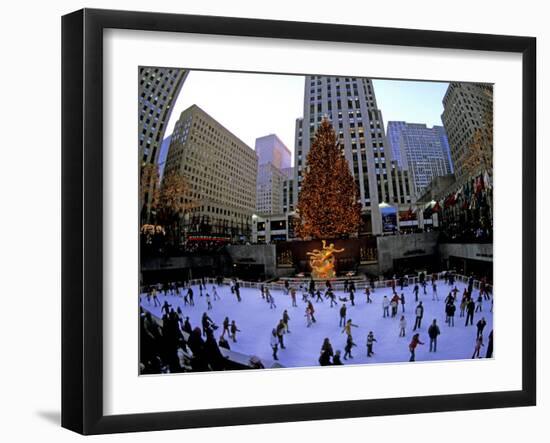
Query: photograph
[294,221]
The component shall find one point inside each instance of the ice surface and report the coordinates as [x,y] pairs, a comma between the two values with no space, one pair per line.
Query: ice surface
[256,320]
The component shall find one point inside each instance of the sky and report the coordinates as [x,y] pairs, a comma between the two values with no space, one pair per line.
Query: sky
[253,105]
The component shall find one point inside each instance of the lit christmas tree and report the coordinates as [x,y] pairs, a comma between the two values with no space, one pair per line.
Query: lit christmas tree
[327,204]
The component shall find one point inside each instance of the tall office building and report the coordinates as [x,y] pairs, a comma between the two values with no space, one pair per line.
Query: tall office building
[221,171]
[465,109]
[273,158]
[421,150]
[350,105]
[158,90]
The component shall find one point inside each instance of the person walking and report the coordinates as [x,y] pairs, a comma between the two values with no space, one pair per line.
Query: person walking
[419,312]
[480,326]
[385,307]
[470,307]
[477,348]
[274,341]
[349,344]
[412,346]
[402,326]
[433,332]
[343,311]
[370,343]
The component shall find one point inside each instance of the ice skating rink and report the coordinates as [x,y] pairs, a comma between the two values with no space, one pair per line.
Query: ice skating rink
[256,320]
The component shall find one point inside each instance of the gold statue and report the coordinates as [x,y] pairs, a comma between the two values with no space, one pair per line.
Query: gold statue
[322,261]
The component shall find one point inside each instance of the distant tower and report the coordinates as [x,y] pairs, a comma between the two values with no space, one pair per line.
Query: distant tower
[422,150]
[273,160]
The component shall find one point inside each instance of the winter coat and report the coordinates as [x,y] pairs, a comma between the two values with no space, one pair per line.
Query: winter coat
[419,311]
[433,331]
[274,341]
[414,343]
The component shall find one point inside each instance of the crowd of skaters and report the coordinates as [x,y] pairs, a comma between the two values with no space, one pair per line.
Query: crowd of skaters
[205,346]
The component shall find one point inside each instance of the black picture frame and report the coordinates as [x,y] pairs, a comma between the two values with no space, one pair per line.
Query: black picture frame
[82,218]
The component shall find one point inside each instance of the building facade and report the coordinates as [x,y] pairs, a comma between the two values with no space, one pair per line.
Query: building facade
[421,150]
[273,158]
[221,171]
[158,90]
[350,104]
[466,107]
[288,190]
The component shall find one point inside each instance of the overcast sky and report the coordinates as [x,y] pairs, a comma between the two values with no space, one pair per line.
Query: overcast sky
[254,105]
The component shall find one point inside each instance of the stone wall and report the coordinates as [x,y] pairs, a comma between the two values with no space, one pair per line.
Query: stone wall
[472,251]
[255,254]
[393,247]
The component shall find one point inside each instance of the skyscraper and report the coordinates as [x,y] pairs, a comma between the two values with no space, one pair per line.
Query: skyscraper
[421,150]
[273,158]
[350,105]
[158,90]
[221,171]
[466,106]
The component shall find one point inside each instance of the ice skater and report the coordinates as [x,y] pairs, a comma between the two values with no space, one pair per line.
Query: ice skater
[274,341]
[415,290]
[343,311]
[477,348]
[293,297]
[419,312]
[166,308]
[479,306]
[280,333]
[308,315]
[155,297]
[367,293]
[481,326]
[347,327]
[450,309]
[312,310]
[327,347]
[370,344]
[435,297]
[286,319]
[226,327]
[433,332]
[215,295]
[385,307]
[336,359]
[349,344]
[234,330]
[470,307]
[402,299]
[319,297]
[412,346]
[352,296]
[208,302]
[332,297]
[190,295]
[402,326]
